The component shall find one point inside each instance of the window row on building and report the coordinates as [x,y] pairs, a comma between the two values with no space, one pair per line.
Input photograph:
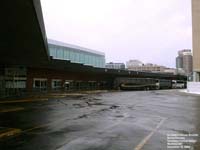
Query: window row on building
[41,84]
[76,55]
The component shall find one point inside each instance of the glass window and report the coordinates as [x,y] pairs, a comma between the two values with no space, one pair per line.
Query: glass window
[43,84]
[92,60]
[96,61]
[37,83]
[70,54]
[56,84]
[85,56]
[81,58]
[66,54]
[100,61]
[77,57]
[60,54]
[52,52]
[73,56]
[89,60]
[40,84]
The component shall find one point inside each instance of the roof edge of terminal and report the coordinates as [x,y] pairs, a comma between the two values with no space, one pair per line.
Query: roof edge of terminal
[59,43]
[40,19]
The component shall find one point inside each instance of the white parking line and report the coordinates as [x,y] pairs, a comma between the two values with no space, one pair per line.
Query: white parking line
[146,139]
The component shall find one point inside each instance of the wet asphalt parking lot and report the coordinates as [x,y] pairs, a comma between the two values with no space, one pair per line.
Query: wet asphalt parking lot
[135,120]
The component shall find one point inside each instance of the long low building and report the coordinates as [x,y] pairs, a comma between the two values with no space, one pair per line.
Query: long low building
[29,64]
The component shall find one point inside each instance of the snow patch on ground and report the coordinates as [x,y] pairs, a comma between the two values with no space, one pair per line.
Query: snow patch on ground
[192,88]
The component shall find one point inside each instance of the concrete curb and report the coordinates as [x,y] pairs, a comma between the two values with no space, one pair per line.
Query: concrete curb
[9,132]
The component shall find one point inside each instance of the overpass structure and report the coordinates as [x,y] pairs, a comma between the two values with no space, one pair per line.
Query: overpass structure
[25,63]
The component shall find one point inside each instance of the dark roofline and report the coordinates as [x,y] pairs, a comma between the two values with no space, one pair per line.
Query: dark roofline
[40,19]
[68,66]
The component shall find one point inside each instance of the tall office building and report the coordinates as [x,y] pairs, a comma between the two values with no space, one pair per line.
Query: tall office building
[179,62]
[187,63]
[184,61]
[196,38]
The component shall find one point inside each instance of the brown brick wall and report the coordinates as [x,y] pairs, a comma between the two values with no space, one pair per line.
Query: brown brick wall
[63,75]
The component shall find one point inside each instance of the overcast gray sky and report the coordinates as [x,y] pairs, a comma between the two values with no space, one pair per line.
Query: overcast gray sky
[149,30]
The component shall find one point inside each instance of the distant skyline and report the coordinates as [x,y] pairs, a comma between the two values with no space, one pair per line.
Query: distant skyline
[152,31]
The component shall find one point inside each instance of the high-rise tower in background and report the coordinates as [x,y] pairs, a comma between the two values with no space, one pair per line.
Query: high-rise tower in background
[184,61]
[196,38]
